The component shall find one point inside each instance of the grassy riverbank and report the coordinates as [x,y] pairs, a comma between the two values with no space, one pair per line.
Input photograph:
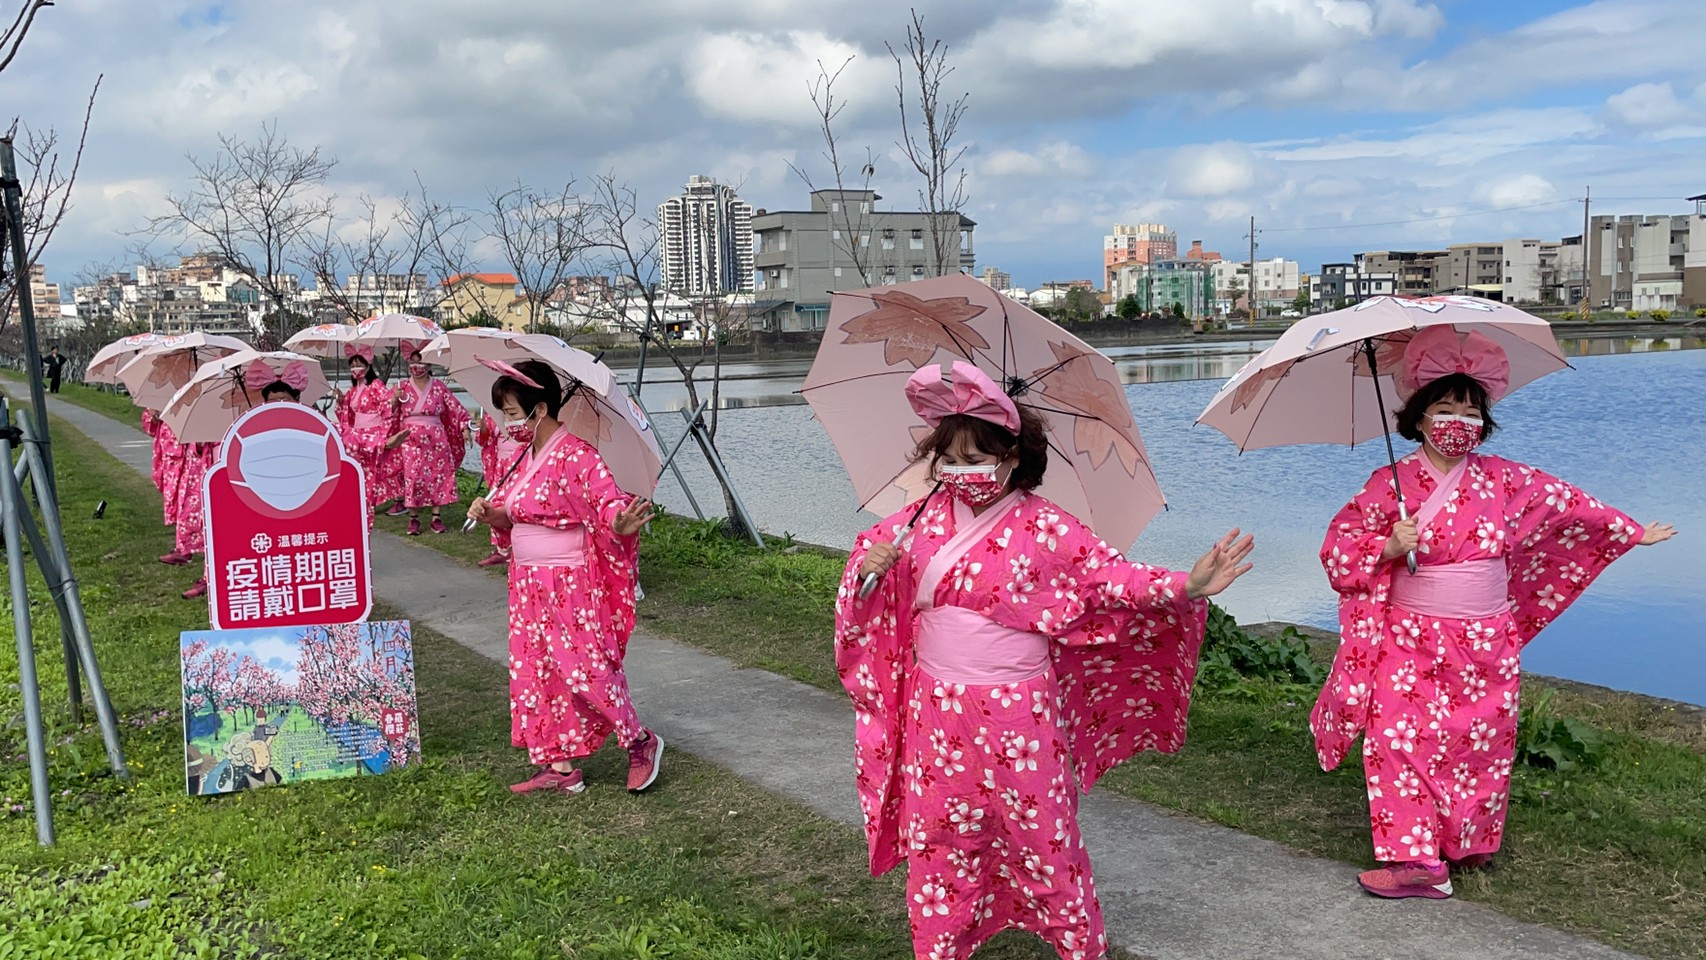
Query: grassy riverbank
[437,861]
[1614,849]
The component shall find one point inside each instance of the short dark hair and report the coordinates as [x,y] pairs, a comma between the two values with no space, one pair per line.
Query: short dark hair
[1030,446]
[279,386]
[1453,386]
[549,392]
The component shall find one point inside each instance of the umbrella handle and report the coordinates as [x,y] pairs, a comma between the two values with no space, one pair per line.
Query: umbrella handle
[871,579]
[1410,556]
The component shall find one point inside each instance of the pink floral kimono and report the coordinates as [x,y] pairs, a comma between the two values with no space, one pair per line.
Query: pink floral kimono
[198,459]
[364,422]
[168,467]
[1428,668]
[497,454]
[571,604]
[1005,663]
[433,450]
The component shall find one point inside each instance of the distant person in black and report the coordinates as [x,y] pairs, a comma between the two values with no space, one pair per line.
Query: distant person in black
[55,365]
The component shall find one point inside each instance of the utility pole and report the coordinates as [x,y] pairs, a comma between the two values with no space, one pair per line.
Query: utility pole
[1250,283]
[1587,287]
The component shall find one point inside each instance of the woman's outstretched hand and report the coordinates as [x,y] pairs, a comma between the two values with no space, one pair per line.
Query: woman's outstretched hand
[1222,564]
[1657,533]
[635,515]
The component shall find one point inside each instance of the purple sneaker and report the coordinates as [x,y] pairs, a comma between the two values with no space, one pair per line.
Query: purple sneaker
[645,759]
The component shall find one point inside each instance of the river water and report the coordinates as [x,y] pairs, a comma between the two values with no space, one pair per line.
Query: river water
[1625,425]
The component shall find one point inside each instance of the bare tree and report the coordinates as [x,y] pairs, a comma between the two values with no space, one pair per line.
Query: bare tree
[852,221]
[46,183]
[927,137]
[629,244]
[544,237]
[377,262]
[258,206]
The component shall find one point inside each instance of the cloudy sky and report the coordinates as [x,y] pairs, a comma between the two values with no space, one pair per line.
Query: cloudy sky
[1341,125]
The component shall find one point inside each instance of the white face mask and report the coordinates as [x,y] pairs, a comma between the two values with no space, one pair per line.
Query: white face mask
[284,467]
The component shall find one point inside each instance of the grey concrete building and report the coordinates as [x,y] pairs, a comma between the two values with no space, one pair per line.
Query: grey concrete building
[843,242]
[1648,262]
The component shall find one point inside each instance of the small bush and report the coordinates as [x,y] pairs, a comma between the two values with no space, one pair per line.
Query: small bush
[1632,314]
[1230,654]
[1660,315]
[1556,743]
[1700,312]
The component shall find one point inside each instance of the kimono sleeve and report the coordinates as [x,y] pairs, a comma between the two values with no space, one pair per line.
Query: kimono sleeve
[1127,641]
[1561,540]
[1351,555]
[873,642]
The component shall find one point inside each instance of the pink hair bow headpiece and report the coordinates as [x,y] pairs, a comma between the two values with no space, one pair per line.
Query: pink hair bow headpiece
[971,393]
[259,375]
[411,349]
[1441,351]
[362,350]
[509,371]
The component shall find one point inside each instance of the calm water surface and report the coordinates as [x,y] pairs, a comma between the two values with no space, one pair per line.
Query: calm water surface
[1627,428]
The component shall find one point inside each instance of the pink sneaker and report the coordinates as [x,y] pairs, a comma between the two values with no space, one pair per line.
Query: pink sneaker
[414,526]
[549,779]
[1399,880]
[497,558]
[645,759]
[199,589]
[176,558]
[437,525]
[397,510]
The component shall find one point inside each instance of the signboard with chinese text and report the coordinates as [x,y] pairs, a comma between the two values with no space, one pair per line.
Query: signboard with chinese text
[286,514]
[280,705]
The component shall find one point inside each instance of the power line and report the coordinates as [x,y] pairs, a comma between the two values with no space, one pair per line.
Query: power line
[1452,216]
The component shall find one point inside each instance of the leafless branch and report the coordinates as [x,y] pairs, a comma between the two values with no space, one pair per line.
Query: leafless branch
[13,38]
[45,193]
[927,136]
[544,236]
[822,93]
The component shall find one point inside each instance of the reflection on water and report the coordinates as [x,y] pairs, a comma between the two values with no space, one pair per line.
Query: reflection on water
[1623,428]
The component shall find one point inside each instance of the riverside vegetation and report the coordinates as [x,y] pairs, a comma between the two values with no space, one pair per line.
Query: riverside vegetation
[1606,796]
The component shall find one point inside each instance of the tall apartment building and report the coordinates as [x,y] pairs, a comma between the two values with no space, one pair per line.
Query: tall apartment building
[706,235]
[802,256]
[1137,243]
[997,280]
[1648,262]
[44,297]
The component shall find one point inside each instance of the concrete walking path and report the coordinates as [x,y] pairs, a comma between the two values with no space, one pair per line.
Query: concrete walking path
[1170,887]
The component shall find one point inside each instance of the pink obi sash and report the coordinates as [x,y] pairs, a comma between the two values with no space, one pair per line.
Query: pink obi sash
[1457,591]
[959,646]
[537,546]
[369,421]
[422,420]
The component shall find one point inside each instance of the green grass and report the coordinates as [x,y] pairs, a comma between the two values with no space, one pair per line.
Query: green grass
[435,861]
[1617,853]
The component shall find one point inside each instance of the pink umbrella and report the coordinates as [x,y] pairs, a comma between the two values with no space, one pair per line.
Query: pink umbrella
[878,337]
[321,340]
[156,373]
[1331,378]
[596,408]
[1313,385]
[225,389]
[393,330]
[103,367]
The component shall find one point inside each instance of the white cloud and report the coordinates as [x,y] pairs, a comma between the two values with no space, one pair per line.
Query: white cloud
[1212,170]
[1517,190]
[1051,159]
[764,78]
[1647,105]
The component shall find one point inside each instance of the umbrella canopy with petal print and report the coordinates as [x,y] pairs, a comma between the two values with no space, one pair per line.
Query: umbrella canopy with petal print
[321,340]
[876,339]
[104,365]
[396,330]
[1313,385]
[158,371]
[225,389]
[597,410]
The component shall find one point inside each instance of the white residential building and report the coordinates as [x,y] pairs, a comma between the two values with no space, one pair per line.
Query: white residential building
[706,234]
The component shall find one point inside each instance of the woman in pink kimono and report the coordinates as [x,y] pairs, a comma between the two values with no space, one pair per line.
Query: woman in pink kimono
[169,467]
[1008,660]
[191,537]
[1428,668]
[571,591]
[364,420]
[497,454]
[431,434]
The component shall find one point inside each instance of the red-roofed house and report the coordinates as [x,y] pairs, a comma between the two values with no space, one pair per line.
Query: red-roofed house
[481,298]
